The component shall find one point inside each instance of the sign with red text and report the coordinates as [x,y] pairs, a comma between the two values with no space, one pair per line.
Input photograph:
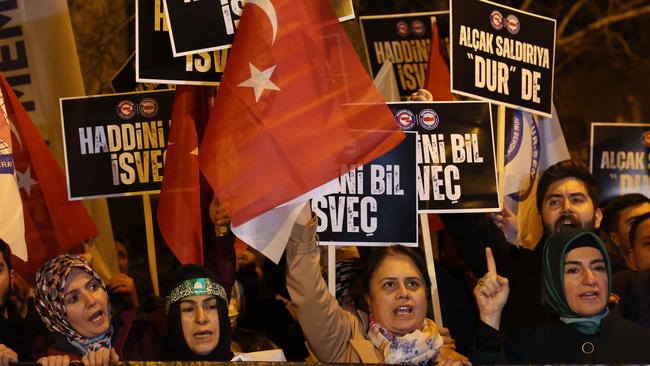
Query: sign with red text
[503,55]
[115,144]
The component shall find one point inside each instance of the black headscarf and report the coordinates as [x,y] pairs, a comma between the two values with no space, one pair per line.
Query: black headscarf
[178,348]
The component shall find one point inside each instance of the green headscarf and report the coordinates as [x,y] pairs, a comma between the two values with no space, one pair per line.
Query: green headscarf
[553,295]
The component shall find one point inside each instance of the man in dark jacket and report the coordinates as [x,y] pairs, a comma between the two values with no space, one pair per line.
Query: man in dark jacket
[19,325]
[567,196]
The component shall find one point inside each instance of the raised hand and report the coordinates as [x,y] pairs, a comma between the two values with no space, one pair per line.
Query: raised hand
[491,293]
[7,355]
[506,221]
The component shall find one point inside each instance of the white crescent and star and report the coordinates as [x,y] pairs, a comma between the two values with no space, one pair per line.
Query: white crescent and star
[261,80]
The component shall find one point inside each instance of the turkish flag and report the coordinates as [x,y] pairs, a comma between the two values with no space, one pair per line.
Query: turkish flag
[438,81]
[179,208]
[295,105]
[53,224]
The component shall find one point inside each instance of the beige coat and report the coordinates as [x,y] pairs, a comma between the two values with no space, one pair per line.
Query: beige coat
[334,334]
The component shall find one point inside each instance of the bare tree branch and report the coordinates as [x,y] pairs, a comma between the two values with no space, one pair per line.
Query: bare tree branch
[601,23]
[569,15]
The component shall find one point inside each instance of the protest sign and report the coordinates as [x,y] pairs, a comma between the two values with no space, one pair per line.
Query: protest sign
[455,155]
[207,25]
[620,158]
[377,203]
[115,144]
[154,58]
[404,40]
[202,26]
[502,54]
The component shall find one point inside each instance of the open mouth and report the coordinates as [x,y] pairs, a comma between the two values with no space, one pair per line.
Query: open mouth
[565,222]
[96,317]
[590,295]
[204,334]
[403,310]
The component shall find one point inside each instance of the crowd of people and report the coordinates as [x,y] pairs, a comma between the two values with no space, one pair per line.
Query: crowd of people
[582,295]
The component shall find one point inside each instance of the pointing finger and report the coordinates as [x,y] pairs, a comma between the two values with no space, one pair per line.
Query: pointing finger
[491,265]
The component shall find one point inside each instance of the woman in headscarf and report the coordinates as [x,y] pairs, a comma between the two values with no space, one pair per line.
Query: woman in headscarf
[73,303]
[576,285]
[197,313]
[392,328]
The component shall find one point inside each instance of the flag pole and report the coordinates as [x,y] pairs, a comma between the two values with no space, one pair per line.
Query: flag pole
[151,245]
[431,268]
[331,269]
[501,142]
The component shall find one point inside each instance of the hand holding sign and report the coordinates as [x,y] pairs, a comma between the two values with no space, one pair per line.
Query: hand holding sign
[491,293]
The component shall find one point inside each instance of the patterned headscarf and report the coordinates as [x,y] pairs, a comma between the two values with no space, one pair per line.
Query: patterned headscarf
[50,289]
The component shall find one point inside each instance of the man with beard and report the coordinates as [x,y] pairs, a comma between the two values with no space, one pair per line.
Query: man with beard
[18,329]
[567,197]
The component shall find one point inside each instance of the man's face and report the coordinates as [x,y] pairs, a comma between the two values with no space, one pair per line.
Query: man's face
[640,252]
[6,277]
[621,234]
[567,204]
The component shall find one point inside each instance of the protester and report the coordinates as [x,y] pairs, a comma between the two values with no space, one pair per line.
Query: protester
[576,284]
[618,215]
[396,329]
[72,301]
[197,313]
[637,301]
[567,197]
[19,325]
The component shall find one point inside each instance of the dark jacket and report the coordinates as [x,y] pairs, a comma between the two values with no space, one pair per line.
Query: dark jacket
[619,341]
[135,338]
[637,301]
[20,333]
[521,266]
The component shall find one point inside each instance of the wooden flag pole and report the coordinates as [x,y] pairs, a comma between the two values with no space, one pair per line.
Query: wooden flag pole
[151,245]
[431,268]
[501,143]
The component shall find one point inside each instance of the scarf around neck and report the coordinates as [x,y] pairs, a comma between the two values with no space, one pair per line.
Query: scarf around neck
[415,348]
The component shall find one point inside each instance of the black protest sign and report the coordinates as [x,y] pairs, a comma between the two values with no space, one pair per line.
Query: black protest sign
[620,158]
[502,54]
[202,25]
[404,40]
[115,144]
[455,155]
[377,203]
[155,61]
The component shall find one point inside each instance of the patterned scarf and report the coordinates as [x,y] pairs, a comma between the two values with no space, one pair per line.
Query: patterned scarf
[50,287]
[416,348]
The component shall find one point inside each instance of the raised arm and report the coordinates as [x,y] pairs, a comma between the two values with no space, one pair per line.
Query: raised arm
[326,326]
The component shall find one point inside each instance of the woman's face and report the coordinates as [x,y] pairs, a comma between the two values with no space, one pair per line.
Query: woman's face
[585,281]
[86,304]
[200,321]
[397,295]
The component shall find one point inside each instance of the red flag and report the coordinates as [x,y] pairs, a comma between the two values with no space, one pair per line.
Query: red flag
[294,105]
[438,81]
[53,225]
[179,209]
